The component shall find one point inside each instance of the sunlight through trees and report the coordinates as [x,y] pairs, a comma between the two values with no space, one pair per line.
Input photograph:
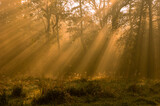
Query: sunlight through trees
[85,38]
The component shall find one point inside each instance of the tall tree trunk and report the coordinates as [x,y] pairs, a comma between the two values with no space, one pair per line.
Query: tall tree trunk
[48,17]
[136,51]
[57,30]
[139,41]
[103,15]
[158,21]
[150,70]
[81,25]
[128,58]
[48,25]
[130,15]
[57,26]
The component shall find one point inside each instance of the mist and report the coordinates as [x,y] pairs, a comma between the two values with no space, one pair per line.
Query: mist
[67,40]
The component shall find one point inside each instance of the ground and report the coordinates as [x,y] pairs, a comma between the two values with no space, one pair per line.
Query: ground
[40,91]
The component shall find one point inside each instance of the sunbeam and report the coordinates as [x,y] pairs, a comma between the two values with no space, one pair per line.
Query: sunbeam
[79,52]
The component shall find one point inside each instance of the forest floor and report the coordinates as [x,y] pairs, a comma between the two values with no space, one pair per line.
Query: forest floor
[103,92]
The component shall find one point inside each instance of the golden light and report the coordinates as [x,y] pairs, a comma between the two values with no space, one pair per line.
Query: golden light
[23,1]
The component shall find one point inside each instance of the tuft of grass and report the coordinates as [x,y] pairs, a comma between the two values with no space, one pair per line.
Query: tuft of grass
[96,89]
[134,88]
[91,88]
[53,96]
[79,92]
[144,101]
[17,91]
[155,89]
[3,98]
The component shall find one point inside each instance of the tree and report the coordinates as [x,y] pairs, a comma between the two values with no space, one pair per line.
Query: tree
[51,12]
[150,71]
[81,24]
[78,21]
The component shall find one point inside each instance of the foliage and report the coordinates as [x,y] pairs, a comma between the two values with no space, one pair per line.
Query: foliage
[17,91]
[53,96]
[84,92]
[3,98]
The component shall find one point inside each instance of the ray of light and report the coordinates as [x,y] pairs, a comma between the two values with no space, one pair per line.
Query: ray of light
[94,50]
[15,65]
[111,57]
[12,38]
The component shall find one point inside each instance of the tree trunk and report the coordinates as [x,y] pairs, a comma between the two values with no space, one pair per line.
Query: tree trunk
[150,70]
[48,18]
[139,41]
[48,25]
[81,25]
[57,28]
[158,21]
[130,14]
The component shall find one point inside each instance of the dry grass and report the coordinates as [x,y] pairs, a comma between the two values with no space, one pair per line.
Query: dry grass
[80,92]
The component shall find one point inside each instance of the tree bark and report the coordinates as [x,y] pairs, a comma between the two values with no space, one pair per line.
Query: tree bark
[57,28]
[81,25]
[150,70]
[48,17]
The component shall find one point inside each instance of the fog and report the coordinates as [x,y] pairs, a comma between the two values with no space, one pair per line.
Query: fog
[85,39]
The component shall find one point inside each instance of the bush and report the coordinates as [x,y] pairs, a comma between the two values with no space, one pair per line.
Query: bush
[53,96]
[92,89]
[3,98]
[144,101]
[76,91]
[96,89]
[155,89]
[17,91]
[134,88]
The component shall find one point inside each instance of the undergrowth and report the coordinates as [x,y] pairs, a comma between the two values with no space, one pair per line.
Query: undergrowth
[81,92]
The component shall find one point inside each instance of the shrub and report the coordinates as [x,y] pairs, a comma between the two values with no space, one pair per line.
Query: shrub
[3,98]
[144,101]
[18,91]
[134,88]
[155,89]
[76,91]
[91,89]
[96,89]
[52,96]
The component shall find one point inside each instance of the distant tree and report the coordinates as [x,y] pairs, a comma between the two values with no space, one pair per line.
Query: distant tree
[99,6]
[150,70]
[79,20]
[51,12]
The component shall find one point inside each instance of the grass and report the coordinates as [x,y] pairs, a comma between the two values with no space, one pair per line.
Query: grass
[17,91]
[52,96]
[3,98]
[35,91]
